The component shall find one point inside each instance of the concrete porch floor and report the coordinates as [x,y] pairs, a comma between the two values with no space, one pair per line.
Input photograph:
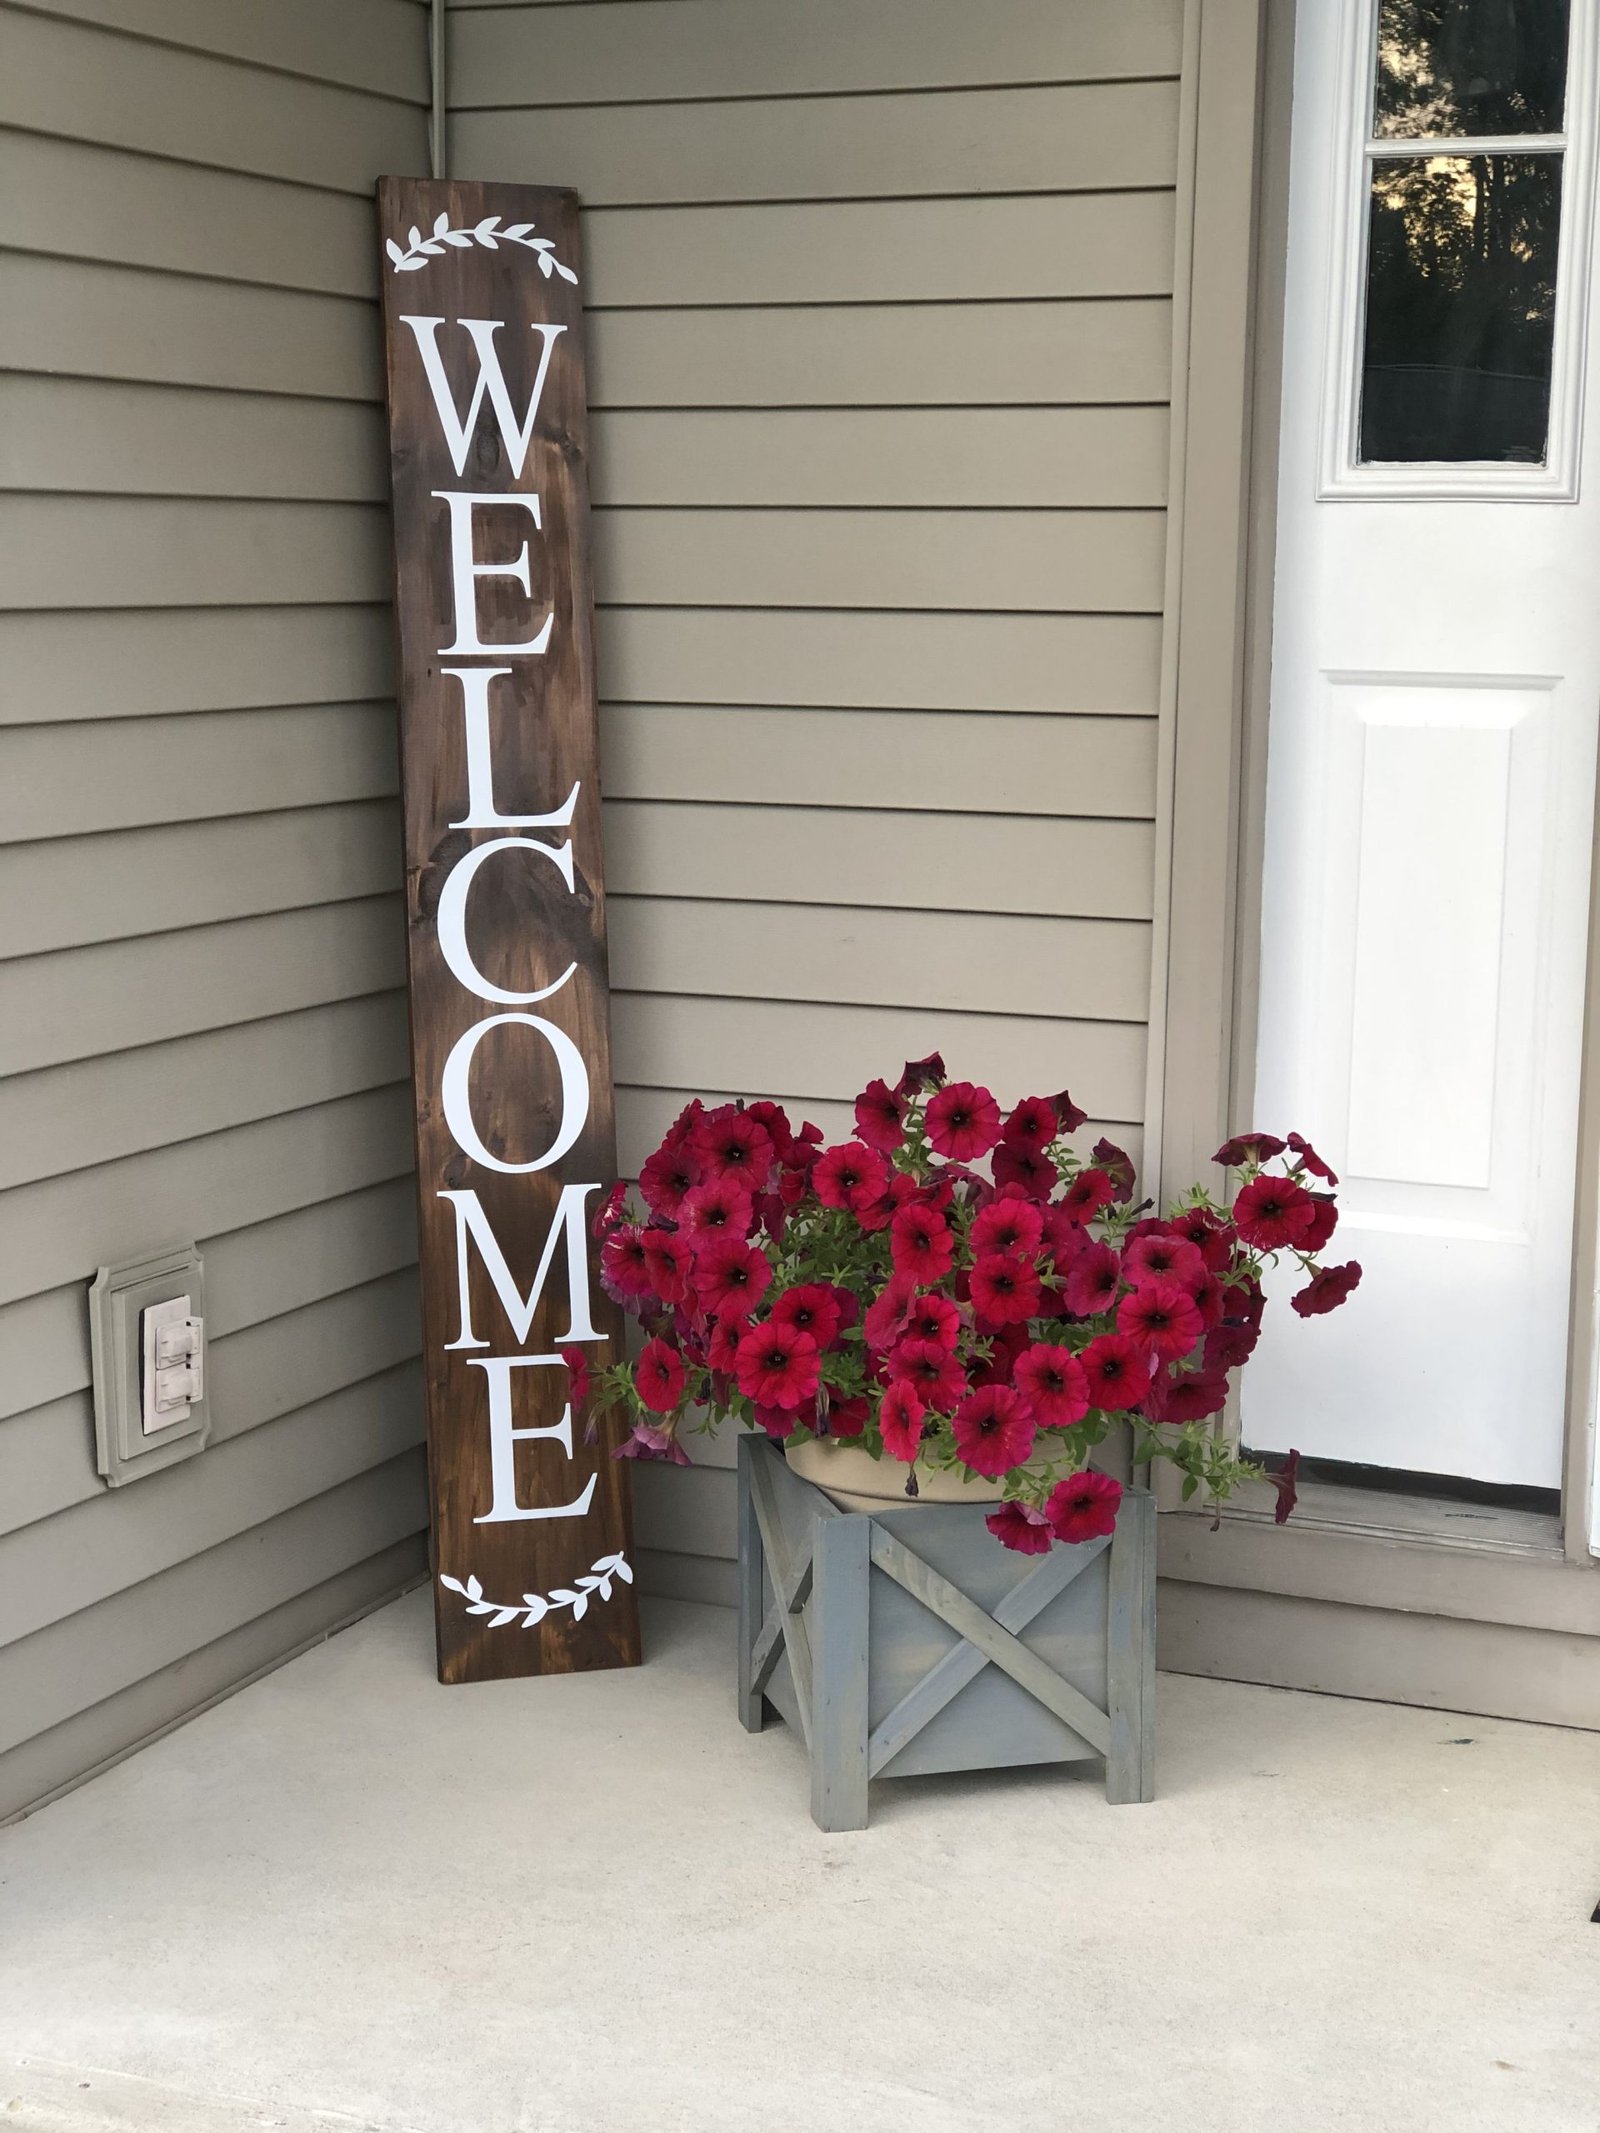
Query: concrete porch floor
[347,1897]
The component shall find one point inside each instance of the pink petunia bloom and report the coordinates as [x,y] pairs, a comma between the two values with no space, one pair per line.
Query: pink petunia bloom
[1160,1256]
[671,1261]
[1026,1170]
[647,1441]
[881,1117]
[777,1366]
[730,1275]
[850,1176]
[1248,1148]
[931,1371]
[1309,1159]
[1005,1290]
[994,1431]
[936,1319]
[1271,1213]
[1326,1290]
[624,1261]
[900,1422]
[666,1177]
[1008,1225]
[963,1122]
[659,1376]
[1083,1506]
[719,1208]
[729,1143]
[812,1308]
[1118,1370]
[1092,1281]
[1019,1527]
[1089,1191]
[921,1243]
[1052,1382]
[1161,1317]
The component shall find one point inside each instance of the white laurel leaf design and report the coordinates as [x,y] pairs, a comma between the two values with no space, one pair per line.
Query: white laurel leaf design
[414,255]
[534,1606]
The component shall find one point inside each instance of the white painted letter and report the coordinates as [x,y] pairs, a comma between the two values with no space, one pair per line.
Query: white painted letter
[515,436]
[456,1098]
[473,1224]
[464,574]
[504,1439]
[453,923]
[481,810]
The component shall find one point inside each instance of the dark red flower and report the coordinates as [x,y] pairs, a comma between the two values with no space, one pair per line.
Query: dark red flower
[775,1119]
[1008,1225]
[728,1329]
[936,1319]
[1287,1483]
[1210,1298]
[665,1179]
[730,1275]
[777,1366]
[1323,1222]
[846,1417]
[886,1317]
[1211,1238]
[1033,1125]
[812,1308]
[1088,1192]
[1083,1506]
[577,1375]
[609,1213]
[1064,1239]
[1071,1115]
[921,1074]
[1021,1528]
[778,1422]
[624,1261]
[1005,1289]
[670,1260]
[1310,1160]
[681,1131]
[900,1422]
[1004,1348]
[921,1243]
[881,1117]
[931,1371]
[1118,1370]
[1248,1148]
[1117,1165]
[1052,1383]
[1229,1345]
[658,1374]
[1186,1395]
[963,1122]
[1029,1170]
[719,1208]
[1271,1213]
[1160,1256]
[993,1431]
[729,1143]
[850,1176]
[1326,1290]
[1092,1281]
[1161,1317]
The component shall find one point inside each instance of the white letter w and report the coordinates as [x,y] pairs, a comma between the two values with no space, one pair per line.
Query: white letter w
[515,436]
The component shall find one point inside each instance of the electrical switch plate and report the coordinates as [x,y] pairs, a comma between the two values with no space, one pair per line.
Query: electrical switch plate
[147,1343]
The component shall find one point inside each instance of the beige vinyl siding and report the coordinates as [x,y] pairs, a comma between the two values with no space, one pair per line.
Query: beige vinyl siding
[202,1016]
[880,357]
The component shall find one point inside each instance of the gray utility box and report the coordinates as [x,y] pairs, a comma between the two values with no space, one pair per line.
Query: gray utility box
[901,1642]
[131,1438]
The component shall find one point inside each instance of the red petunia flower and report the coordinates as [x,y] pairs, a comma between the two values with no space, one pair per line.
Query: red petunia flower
[778,1422]
[1005,1289]
[1117,1165]
[847,1417]
[1052,1382]
[881,1117]
[921,1243]
[886,1317]
[728,1329]
[1083,1506]
[1092,1281]
[1064,1239]
[1161,1317]
[936,1319]
[1004,1348]
[1287,1483]
[1008,1225]
[1033,1125]
[719,1208]
[666,1177]
[1089,1191]
[993,1431]
[1186,1395]
[921,1074]
[1271,1213]
[1248,1148]
[659,1376]
[609,1213]
[1211,1239]
[729,1143]
[777,1366]
[1229,1345]
[850,1176]
[963,1122]
[931,1371]
[1029,1170]
[1326,1290]
[577,1375]
[900,1422]
[1210,1299]
[1160,1256]
[775,1120]
[670,1260]
[1118,1370]
[624,1261]
[812,1308]
[730,1275]
[1019,1527]
[1324,1221]
[1071,1115]
[1310,1160]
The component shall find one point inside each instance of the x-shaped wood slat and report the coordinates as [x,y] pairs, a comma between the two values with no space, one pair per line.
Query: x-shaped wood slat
[791,1584]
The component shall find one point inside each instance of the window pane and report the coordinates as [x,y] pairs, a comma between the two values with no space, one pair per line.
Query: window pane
[1461,281]
[1470,67]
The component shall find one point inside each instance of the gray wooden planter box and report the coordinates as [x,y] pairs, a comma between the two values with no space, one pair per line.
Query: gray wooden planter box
[900,1642]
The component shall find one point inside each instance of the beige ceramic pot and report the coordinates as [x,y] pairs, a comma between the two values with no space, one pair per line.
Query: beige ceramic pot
[855,1481]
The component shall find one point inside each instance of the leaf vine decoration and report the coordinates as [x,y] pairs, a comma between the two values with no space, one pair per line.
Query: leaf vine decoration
[534,1606]
[414,256]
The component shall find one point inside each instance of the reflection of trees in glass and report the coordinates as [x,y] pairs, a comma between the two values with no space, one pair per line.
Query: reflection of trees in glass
[1470,67]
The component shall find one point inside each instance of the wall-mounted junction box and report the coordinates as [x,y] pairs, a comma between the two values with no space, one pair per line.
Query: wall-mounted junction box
[147,1342]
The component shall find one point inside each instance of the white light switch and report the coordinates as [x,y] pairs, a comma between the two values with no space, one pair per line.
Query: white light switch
[172,1379]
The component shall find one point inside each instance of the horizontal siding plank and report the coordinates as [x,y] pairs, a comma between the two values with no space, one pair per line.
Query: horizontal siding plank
[74,780]
[1040,456]
[640,50]
[252,1275]
[70,1118]
[253,1377]
[78,319]
[1006,562]
[77,82]
[130,882]
[872,252]
[690,1509]
[806,1050]
[135,662]
[59,1231]
[71,201]
[879,858]
[366,44]
[60,1565]
[1096,969]
[66,435]
[1108,664]
[882,356]
[78,1662]
[963,141]
[81,1002]
[125,551]
[818,758]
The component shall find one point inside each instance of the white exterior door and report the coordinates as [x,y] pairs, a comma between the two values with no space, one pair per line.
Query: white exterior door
[1432,739]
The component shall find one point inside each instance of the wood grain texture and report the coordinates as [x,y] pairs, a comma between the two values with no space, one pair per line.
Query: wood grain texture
[543,720]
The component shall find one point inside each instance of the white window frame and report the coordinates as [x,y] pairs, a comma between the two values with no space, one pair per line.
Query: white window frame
[1342,474]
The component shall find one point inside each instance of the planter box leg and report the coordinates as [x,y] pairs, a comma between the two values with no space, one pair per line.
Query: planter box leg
[840,1609]
[1131,1655]
[752,1597]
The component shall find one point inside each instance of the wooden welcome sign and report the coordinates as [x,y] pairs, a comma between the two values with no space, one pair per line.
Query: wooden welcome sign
[505,920]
